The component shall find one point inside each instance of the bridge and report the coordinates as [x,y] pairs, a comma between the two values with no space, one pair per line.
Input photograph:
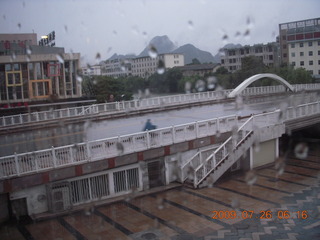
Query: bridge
[196,153]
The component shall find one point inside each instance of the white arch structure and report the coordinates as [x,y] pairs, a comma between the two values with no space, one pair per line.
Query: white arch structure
[254,78]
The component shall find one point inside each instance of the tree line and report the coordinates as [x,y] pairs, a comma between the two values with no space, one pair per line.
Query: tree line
[106,89]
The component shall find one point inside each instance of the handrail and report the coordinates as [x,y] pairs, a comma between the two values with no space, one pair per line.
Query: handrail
[140,104]
[26,163]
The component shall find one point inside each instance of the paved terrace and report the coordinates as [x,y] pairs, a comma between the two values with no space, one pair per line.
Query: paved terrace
[184,213]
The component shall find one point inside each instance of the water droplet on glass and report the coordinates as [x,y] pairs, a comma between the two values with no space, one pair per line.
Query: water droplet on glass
[225,38]
[109,49]
[123,66]
[79,78]
[190,24]
[4,17]
[279,166]
[211,82]
[235,203]
[301,150]
[239,102]
[187,87]
[153,53]
[13,56]
[120,148]
[222,52]
[98,56]
[247,34]
[256,144]
[144,34]
[19,25]
[60,58]
[251,177]
[161,67]
[66,28]
[200,85]
[237,35]
[28,50]
[114,32]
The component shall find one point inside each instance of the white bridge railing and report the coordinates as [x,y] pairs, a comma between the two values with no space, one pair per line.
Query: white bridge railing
[141,104]
[37,161]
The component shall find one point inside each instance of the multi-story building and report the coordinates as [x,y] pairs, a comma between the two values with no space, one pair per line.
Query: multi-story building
[91,70]
[231,58]
[146,66]
[117,67]
[32,73]
[300,44]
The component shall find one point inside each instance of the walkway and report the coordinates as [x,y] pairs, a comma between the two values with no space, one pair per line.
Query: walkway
[184,213]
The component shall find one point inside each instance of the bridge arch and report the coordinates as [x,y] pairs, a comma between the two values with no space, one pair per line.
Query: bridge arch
[254,78]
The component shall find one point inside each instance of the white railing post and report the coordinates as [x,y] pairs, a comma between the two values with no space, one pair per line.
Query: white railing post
[54,157]
[173,134]
[68,112]
[37,116]
[17,163]
[148,139]
[71,154]
[20,118]
[88,151]
[12,121]
[197,129]
[3,121]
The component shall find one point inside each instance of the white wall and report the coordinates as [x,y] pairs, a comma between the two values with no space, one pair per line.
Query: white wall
[35,203]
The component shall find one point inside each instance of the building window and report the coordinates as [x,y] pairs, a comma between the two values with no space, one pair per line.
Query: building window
[310,63]
[284,55]
[301,44]
[318,62]
[301,54]
[318,52]
[302,63]
[310,44]
[293,54]
[293,63]
[284,46]
[292,45]
[284,37]
[310,53]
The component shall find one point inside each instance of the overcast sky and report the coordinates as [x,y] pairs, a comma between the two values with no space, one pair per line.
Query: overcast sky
[126,26]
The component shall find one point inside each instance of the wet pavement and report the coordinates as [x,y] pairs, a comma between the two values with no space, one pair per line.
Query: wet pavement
[275,206]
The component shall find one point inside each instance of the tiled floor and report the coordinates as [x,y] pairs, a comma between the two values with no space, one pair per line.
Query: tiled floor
[185,213]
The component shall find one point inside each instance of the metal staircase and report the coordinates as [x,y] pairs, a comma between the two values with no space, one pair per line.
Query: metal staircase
[217,161]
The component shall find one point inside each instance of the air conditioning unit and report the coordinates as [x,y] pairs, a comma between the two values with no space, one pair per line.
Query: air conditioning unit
[59,196]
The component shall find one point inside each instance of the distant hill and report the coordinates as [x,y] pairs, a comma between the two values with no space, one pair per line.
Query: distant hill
[190,52]
[162,43]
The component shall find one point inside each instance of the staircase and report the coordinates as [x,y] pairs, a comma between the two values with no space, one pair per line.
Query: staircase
[215,162]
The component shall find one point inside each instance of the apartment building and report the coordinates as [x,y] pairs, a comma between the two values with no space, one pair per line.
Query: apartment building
[231,58]
[94,70]
[32,73]
[300,44]
[146,66]
[117,67]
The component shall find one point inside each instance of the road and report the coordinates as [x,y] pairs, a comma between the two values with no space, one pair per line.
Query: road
[32,140]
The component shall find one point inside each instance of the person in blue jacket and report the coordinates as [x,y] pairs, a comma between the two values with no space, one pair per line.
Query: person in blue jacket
[149,126]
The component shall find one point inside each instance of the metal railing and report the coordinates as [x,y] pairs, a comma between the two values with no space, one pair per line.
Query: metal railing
[198,167]
[32,162]
[141,104]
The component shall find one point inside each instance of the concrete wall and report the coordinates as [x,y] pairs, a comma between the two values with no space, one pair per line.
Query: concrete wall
[265,153]
[36,198]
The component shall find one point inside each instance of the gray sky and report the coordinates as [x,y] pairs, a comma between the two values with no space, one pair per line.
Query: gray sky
[126,26]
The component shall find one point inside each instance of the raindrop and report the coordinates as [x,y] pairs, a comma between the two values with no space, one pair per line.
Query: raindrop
[160,203]
[147,92]
[211,83]
[19,25]
[120,148]
[135,30]
[222,52]
[153,53]
[144,34]
[225,38]
[114,32]
[239,102]
[4,17]
[190,24]
[237,35]
[247,34]
[98,56]
[13,56]
[256,144]
[279,166]
[79,78]
[161,67]
[66,28]
[190,172]
[123,66]
[187,87]
[250,177]
[109,49]
[301,150]
[235,203]
[29,51]
[200,85]
[60,58]
[23,4]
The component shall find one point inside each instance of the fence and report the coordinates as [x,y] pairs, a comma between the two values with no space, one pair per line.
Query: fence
[142,104]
